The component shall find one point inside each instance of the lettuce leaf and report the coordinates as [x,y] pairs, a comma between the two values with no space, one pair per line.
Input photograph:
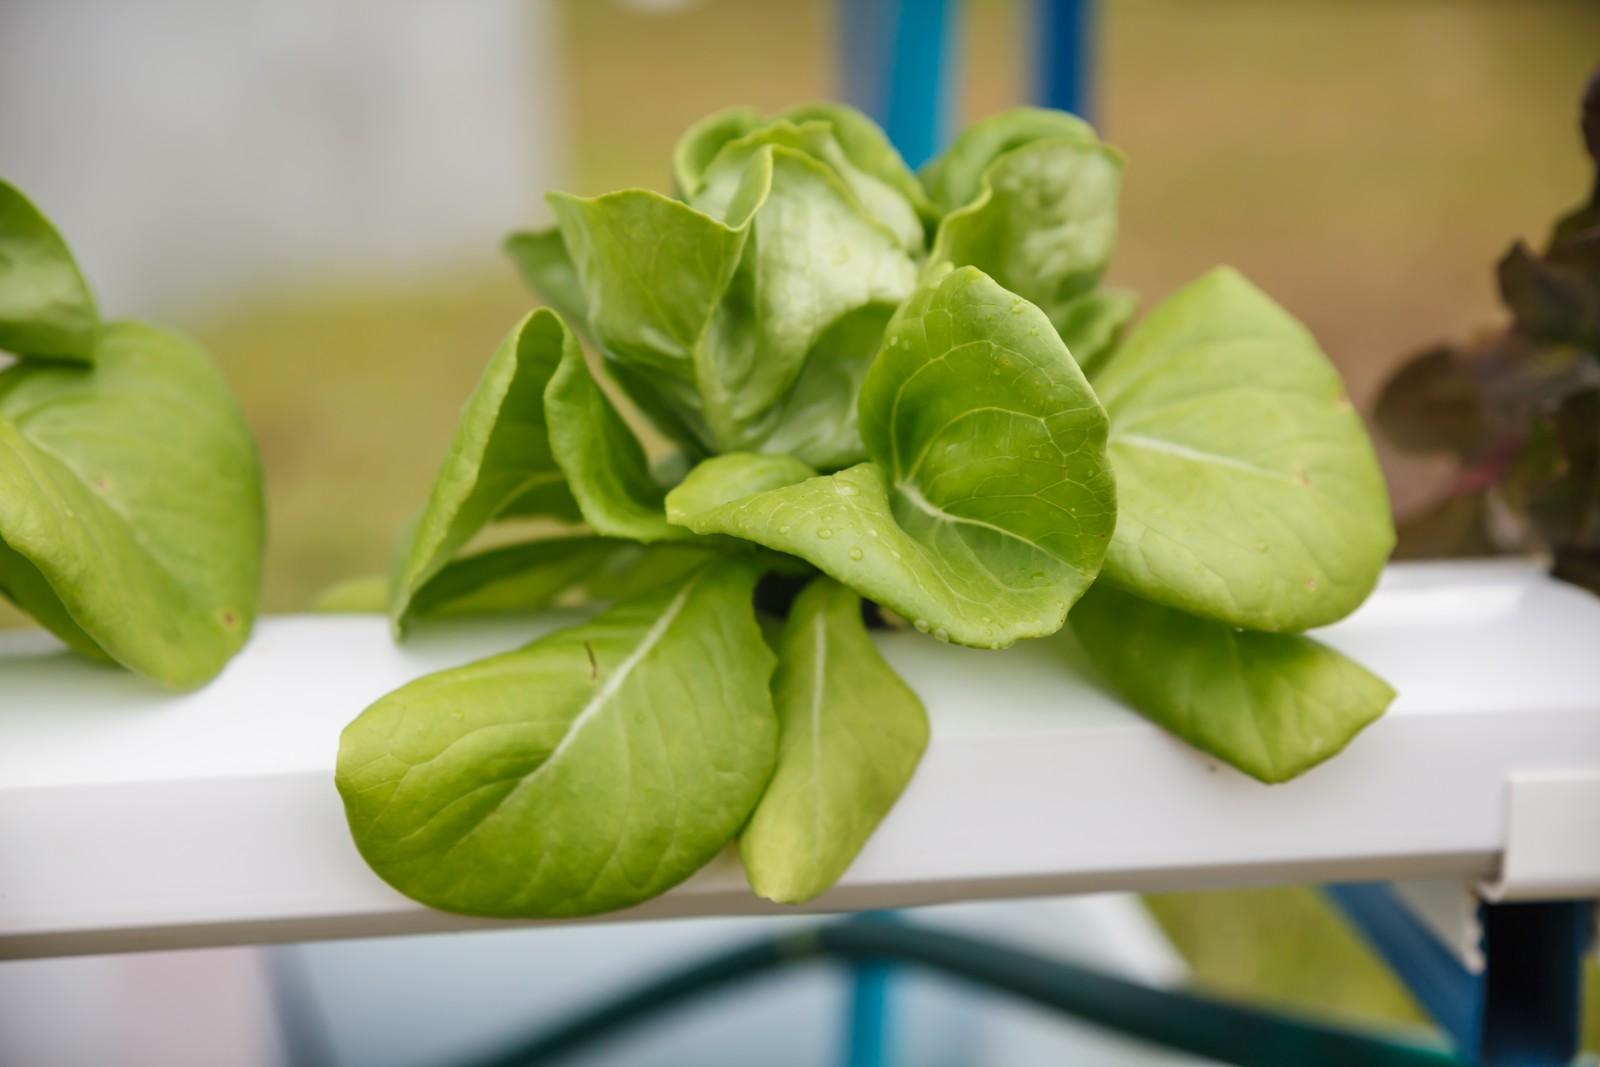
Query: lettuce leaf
[987,503]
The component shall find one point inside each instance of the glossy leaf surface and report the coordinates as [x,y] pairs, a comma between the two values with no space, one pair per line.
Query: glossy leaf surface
[851,735]
[131,505]
[591,770]
[46,309]
[988,502]
[1247,489]
[499,461]
[1272,705]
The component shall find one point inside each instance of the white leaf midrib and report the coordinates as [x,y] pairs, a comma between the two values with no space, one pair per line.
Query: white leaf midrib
[818,679]
[1196,455]
[614,681]
[913,493]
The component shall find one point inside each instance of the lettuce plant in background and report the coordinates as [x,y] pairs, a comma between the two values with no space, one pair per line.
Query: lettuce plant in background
[888,398]
[130,492]
[1518,409]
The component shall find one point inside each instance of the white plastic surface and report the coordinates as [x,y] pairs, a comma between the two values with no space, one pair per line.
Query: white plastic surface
[1553,836]
[134,819]
[1448,907]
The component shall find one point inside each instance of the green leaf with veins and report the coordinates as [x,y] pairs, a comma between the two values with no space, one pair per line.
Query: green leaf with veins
[23,584]
[499,462]
[525,577]
[751,313]
[520,577]
[1272,705]
[593,769]
[988,502]
[869,151]
[130,505]
[846,141]
[605,466]
[725,479]
[655,270]
[537,574]
[955,179]
[1043,224]
[541,257]
[1248,491]
[817,417]
[538,437]
[1091,325]
[46,309]
[635,569]
[850,736]
[876,201]
[815,258]
[702,141]
[542,260]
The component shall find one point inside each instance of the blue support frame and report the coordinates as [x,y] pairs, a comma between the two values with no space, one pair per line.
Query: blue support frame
[1063,44]
[899,60]
[1442,986]
[1524,1010]
[869,1032]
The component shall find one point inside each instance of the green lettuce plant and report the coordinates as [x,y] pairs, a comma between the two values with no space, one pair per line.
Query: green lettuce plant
[885,397]
[130,491]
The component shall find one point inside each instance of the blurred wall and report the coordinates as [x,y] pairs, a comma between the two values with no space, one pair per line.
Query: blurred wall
[193,150]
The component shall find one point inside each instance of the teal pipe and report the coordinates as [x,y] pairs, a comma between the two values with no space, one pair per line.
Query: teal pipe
[1185,1022]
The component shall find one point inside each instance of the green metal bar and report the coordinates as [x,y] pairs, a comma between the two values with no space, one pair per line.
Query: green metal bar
[1204,1026]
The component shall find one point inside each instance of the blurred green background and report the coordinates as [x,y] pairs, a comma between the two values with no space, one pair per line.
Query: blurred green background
[1366,162]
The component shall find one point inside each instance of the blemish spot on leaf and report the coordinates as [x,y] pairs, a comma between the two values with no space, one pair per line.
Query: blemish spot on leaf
[1302,477]
[1311,585]
[229,617]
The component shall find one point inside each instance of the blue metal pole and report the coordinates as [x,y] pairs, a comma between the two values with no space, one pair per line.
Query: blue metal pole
[917,106]
[1524,1010]
[898,59]
[867,1025]
[1442,986]
[1533,982]
[1063,42]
